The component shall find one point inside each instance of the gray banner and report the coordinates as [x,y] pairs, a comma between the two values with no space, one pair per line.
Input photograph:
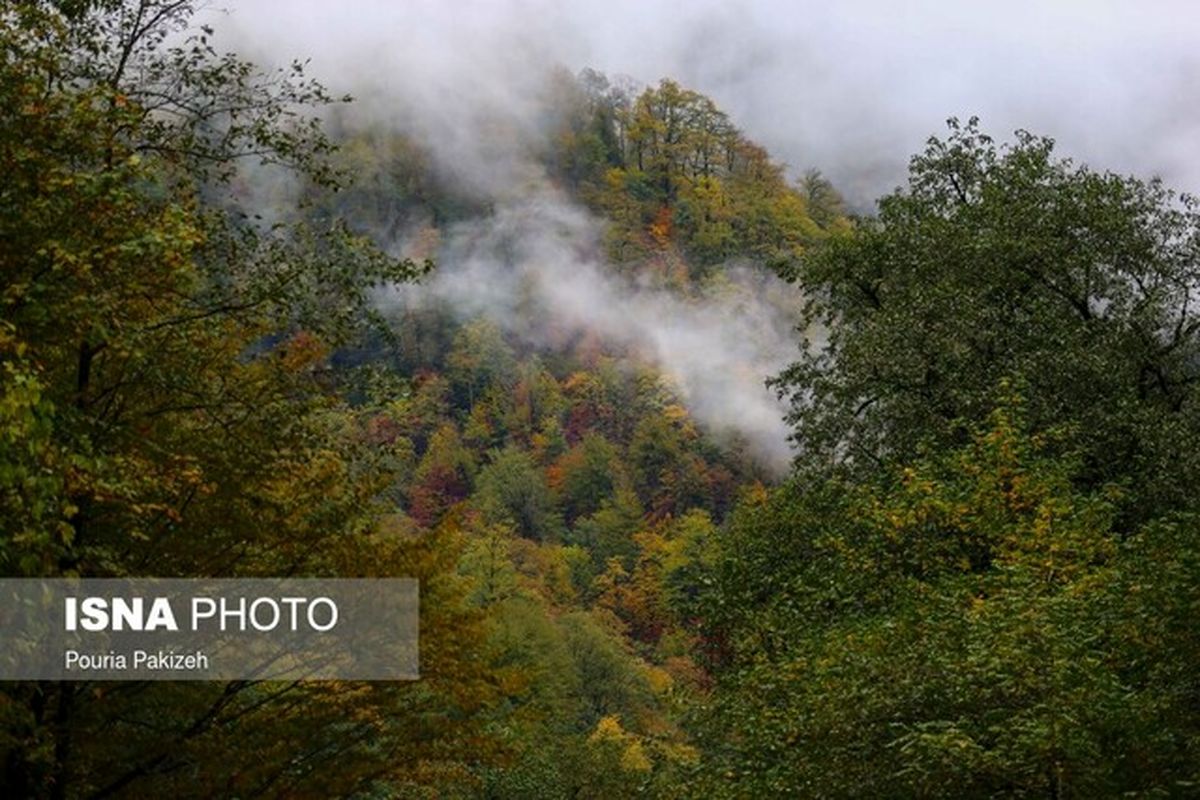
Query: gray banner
[208,629]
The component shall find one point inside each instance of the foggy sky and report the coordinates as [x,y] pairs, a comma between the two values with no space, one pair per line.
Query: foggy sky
[852,88]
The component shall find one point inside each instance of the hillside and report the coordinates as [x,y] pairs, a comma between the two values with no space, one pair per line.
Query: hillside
[583,472]
[711,490]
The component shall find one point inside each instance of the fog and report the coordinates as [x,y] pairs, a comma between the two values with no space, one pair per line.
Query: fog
[852,89]
[535,267]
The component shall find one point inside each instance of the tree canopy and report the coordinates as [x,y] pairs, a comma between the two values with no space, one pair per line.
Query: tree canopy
[963,589]
[981,578]
[1000,263]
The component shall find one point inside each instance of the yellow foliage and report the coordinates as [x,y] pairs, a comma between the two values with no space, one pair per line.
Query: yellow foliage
[609,732]
[659,679]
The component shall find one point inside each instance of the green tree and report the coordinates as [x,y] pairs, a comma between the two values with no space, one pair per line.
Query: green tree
[825,205]
[511,489]
[965,629]
[1002,262]
[478,360]
[608,533]
[585,476]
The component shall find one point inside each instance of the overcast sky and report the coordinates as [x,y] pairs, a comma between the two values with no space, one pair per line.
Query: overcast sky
[852,88]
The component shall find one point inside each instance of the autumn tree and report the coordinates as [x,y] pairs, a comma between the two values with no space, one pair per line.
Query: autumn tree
[168,406]
[443,476]
[966,627]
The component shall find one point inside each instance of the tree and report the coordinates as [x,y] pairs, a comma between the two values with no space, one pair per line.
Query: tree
[965,627]
[608,533]
[442,478]
[168,407]
[824,203]
[536,402]
[512,490]
[674,175]
[1007,262]
[585,476]
[657,593]
[997,433]
[479,359]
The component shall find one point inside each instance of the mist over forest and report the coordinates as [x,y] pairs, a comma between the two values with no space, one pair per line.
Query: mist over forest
[852,89]
[771,399]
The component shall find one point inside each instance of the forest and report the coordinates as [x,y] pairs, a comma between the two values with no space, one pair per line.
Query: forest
[245,333]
